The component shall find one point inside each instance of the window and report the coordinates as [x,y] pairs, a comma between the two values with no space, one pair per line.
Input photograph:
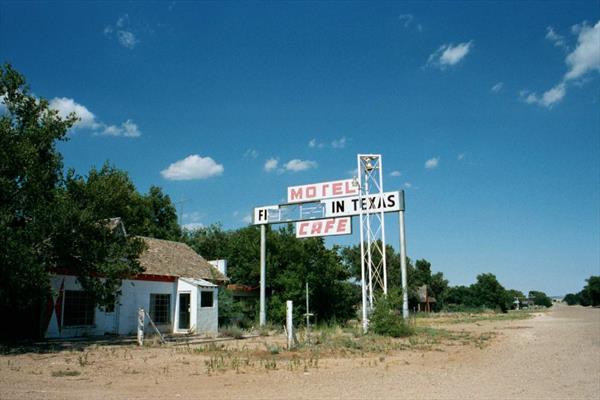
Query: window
[206,299]
[79,308]
[160,308]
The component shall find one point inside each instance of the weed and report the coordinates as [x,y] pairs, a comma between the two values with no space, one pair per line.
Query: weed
[67,372]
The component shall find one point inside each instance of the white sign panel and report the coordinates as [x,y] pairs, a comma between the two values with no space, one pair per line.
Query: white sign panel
[386,202]
[324,227]
[261,214]
[323,190]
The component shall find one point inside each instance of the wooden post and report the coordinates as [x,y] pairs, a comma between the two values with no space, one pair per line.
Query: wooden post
[140,327]
[289,324]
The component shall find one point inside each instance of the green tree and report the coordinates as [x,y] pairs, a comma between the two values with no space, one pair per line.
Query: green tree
[540,298]
[43,225]
[291,262]
[572,299]
[591,291]
[109,192]
[488,292]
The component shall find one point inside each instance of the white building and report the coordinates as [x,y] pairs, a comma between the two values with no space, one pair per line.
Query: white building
[178,289]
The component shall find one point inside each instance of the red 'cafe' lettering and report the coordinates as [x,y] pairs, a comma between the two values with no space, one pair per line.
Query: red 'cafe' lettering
[332,226]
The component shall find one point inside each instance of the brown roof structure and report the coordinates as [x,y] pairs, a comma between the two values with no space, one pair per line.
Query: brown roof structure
[167,258]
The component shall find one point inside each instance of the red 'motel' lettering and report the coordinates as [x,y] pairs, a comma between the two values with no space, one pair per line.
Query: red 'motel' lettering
[295,194]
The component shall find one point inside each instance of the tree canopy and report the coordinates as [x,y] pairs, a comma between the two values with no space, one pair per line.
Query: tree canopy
[51,220]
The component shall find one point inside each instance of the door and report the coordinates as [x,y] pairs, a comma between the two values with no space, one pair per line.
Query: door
[184,311]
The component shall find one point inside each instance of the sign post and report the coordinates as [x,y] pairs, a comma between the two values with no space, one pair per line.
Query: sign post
[403,262]
[263,273]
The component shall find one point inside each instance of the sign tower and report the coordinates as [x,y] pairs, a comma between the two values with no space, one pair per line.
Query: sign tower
[372,231]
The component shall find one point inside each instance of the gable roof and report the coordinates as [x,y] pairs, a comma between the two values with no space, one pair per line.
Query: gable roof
[167,258]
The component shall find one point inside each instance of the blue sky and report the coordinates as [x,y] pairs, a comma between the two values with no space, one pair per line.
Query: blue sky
[486,113]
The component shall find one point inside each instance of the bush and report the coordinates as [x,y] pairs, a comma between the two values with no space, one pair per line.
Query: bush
[385,319]
[232,331]
[540,298]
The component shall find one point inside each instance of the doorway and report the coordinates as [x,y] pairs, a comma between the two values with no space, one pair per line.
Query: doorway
[184,311]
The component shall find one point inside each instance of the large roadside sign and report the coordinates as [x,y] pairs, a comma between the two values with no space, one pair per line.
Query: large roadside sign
[329,208]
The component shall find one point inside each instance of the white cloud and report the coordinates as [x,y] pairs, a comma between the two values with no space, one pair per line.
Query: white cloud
[125,35]
[449,55]
[339,143]
[432,163]
[66,106]
[586,56]
[251,153]
[406,19]
[247,219]
[407,185]
[555,38]
[193,226]
[87,119]
[271,164]
[497,87]
[335,144]
[127,39]
[297,165]
[395,173]
[192,217]
[549,98]
[192,167]
[461,156]
[583,60]
[313,143]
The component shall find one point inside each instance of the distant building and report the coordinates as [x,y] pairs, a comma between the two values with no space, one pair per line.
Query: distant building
[425,301]
[178,289]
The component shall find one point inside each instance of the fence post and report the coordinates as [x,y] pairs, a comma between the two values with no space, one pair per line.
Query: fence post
[289,324]
[140,327]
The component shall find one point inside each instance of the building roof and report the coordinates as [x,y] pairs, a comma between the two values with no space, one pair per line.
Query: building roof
[167,258]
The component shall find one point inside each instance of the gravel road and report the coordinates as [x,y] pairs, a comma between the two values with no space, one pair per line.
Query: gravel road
[555,355]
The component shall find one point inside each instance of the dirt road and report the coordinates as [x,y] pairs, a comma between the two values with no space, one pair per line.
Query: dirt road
[555,355]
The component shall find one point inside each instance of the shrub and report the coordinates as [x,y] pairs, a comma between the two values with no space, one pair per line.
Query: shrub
[385,319]
[232,331]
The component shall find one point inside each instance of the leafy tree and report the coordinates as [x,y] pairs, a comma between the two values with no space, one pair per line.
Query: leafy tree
[43,224]
[291,262]
[459,296]
[572,299]
[591,291]
[488,292]
[540,298]
[109,192]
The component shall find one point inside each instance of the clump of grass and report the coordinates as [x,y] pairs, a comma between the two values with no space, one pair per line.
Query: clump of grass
[232,331]
[65,372]
[273,348]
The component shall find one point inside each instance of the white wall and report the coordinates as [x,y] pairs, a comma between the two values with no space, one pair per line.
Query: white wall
[135,294]
[208,318]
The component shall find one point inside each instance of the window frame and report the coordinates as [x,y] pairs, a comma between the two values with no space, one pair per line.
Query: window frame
[153,312]
[212,298]
[87,308]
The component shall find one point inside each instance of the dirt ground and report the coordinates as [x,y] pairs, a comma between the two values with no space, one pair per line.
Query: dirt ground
[554,355]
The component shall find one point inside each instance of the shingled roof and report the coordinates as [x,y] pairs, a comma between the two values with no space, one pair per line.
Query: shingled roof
[163,257]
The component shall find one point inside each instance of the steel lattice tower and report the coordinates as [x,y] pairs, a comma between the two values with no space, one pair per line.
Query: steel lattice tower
[372,232]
